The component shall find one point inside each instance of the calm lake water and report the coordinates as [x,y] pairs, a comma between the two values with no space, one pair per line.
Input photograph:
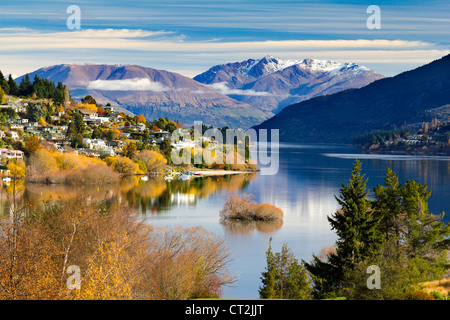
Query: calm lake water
[308,178]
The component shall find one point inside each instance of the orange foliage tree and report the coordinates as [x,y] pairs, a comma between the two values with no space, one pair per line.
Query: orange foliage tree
[140,119]
[32,144]
[154,161]
[119,257]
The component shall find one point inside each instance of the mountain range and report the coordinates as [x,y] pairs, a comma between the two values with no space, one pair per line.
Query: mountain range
[410,97]
[240,94]
[153,93]
[272,83]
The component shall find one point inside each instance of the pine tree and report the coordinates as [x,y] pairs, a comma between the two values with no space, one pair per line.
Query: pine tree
[25,86]
[4,84]
[13,88]
[388,205]
[2,95]
[66,97]
[422,230]
[267,290]
[357,231]
[354,223]
[284,277]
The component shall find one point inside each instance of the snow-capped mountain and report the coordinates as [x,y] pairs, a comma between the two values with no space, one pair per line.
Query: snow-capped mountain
[271,83]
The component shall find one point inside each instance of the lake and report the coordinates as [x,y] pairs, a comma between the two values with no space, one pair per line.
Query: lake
[308,178]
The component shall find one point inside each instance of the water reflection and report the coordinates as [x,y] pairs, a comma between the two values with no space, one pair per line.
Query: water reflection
[152,197]
[246,227]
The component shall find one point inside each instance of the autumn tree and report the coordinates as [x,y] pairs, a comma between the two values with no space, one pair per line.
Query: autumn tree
[154,161]
[16,168]
[123,165]
[187,264]
[140,119]
[119,256]
[129,150]
[42,122]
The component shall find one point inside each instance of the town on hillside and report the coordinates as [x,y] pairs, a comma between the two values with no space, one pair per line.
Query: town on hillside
[44,113]
[431,138]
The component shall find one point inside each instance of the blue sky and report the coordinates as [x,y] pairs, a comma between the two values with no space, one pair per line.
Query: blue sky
[188,37]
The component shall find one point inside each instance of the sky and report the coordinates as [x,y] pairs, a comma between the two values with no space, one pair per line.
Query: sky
[189,37]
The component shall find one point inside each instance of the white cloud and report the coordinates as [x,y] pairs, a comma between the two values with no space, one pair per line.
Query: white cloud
[24,50]
[223,88]
[136,84]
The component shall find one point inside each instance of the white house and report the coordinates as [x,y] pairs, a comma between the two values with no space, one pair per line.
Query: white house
[14,135]
[10,154]
[96,144]
[88,113]
[183,144]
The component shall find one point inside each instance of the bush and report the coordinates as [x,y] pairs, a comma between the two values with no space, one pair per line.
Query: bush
[245,208]
[268,212]
[437,295]
[123,165]
[418,295]
[47,166]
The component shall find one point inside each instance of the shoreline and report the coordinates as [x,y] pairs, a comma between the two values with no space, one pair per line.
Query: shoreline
[212,172]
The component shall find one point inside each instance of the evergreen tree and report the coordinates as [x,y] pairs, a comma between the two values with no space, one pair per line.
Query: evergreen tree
[97,133]
[355,223]
[388,205]
[25,86]
[79,122]
[4,84]
[35,112]
[357,231]
[13,88]
[284,278]
[267,290]
[422,230]
[2,95]
[66,96]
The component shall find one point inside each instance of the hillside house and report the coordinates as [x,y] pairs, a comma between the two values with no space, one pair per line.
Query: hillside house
[10,154]
[88,113]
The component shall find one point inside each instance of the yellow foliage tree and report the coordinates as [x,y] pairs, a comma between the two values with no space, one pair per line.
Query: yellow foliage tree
[88,106]
[42,122]
[154,161]
[16,169]
[123,165]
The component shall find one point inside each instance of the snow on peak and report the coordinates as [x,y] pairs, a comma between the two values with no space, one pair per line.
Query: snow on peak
[270,64]
[331,66]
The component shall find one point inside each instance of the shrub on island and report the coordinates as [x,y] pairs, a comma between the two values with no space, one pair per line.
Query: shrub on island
[244,208]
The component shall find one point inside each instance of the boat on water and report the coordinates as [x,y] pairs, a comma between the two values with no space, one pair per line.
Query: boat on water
[184,177]
[198,174]
[168,177]
[144,178]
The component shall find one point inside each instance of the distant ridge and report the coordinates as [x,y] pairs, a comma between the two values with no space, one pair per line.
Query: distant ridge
[271,83]
[154,93]
[383,104]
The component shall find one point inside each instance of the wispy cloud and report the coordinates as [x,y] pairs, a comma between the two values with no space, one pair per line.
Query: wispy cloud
[172,51]
[223,88]
[136,84]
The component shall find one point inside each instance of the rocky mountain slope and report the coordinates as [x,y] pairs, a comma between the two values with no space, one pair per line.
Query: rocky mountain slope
[271,83]
[154,93]
[386,103]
